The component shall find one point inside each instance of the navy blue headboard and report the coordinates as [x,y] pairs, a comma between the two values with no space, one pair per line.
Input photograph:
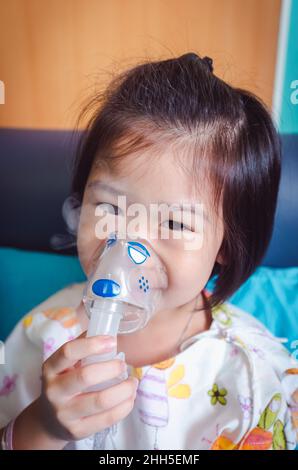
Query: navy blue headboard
[283,249]
[35,169]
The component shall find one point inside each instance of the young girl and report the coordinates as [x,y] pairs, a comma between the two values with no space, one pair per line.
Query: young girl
[203,374]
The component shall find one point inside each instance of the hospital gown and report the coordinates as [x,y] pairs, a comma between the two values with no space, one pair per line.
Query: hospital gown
[234,386]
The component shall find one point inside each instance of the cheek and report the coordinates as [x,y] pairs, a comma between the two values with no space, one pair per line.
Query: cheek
[189,272]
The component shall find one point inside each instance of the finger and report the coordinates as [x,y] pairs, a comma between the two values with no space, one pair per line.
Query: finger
[101,421]
[72,351]
[78,379]
[92,403]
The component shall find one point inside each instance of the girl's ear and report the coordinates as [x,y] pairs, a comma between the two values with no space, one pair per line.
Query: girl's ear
[220,259]
[71,213]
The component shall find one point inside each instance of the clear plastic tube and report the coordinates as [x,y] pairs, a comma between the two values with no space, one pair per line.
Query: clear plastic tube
[105,317]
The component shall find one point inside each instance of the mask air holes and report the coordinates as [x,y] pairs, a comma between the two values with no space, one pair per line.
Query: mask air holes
[144,284]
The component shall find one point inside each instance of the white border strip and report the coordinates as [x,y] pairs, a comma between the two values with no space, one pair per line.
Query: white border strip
[283,37]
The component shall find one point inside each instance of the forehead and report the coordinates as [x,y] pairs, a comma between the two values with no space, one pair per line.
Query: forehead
[152,176]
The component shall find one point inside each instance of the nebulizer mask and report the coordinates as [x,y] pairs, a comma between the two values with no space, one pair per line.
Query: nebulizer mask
[123,292]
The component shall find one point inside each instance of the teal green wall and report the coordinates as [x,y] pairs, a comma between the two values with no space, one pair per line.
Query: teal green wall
[286,85]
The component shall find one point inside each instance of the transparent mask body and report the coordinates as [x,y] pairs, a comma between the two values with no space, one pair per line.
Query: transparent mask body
[123,292]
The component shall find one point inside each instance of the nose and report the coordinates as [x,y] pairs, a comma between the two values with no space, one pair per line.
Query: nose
[137,252]
[147,235]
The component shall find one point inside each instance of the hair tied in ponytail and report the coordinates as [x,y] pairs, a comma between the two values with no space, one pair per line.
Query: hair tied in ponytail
[209,62]
[192,56]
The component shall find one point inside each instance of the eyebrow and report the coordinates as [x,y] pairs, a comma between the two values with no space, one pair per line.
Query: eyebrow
[116,192]
[189,208]
[105,187]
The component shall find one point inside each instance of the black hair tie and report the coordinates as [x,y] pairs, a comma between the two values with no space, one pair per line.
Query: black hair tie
[192,56]
[209,62]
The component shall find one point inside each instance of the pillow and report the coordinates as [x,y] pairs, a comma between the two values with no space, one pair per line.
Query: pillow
[28,278]
[271,295]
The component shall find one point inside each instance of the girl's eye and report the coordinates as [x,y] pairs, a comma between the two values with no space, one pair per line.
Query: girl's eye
[107,207]
[173,225]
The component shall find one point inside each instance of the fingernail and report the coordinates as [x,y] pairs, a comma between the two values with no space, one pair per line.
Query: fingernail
[109,343]
[108,338]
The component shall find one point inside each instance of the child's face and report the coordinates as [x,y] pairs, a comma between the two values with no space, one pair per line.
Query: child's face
[146,182]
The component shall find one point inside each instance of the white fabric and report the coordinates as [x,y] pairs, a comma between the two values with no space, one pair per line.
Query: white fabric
[232,386]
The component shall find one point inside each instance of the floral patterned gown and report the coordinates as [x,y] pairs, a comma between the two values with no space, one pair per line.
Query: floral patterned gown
[234,386]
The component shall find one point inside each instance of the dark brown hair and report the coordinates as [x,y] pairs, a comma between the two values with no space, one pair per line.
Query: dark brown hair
[229,130]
